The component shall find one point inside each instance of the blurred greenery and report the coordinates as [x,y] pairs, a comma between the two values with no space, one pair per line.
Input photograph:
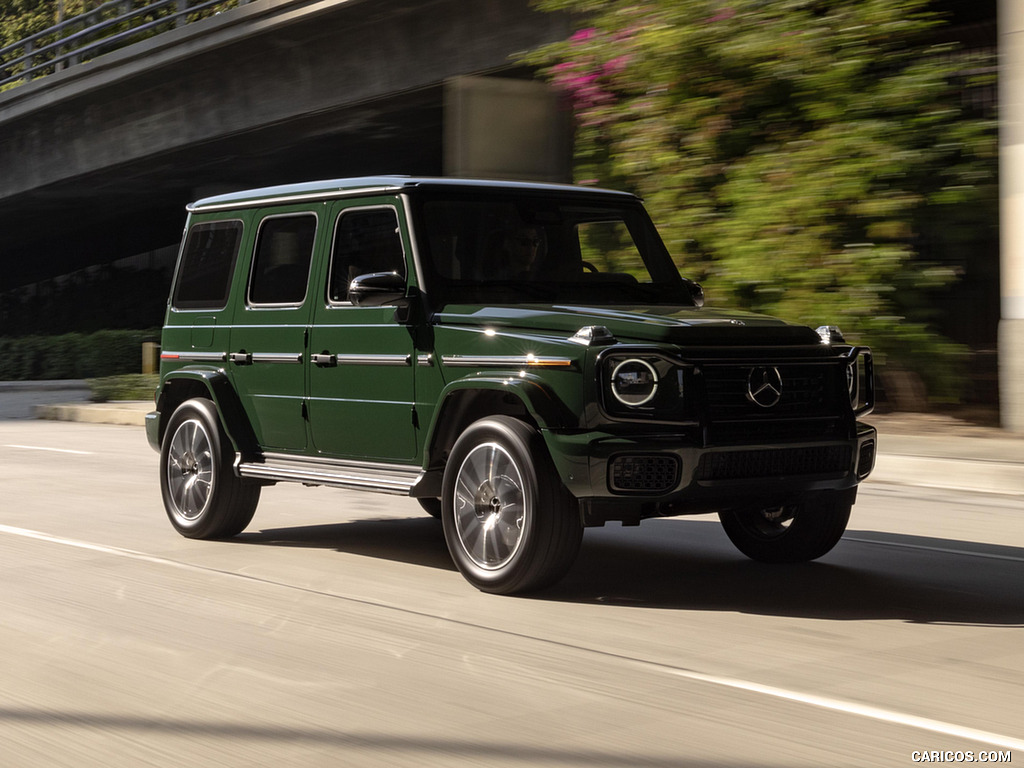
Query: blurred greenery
[133,386]
[793,153]
[73,355]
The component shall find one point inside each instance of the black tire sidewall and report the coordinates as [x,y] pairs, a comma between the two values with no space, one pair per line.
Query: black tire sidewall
[519,441]
[204,412]
[817,526]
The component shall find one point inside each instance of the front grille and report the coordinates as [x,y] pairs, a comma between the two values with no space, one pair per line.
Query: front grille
[806,391]
[776,431]
[643,474]
[774,462]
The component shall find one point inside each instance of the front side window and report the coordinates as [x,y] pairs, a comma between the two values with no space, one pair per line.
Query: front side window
[280,266]
[366,240]
[207,263]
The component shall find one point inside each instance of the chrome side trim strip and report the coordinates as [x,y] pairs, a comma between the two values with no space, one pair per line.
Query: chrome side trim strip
[195,357]
[277,357]
[374,359]
[382,478]
[504,361]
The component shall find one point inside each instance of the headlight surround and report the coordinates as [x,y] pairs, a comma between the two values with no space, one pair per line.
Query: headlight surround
[634,382]
[644,383]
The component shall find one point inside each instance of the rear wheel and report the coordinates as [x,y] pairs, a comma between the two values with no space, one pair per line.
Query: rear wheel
[510,524]
[792,533]
[203,497]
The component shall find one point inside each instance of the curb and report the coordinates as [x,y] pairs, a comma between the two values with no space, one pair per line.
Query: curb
[974,475]
[129,413]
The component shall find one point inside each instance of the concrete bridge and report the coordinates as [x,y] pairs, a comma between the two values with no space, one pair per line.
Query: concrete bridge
[97,161]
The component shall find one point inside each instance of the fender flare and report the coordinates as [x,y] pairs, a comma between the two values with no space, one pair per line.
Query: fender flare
[546,410]
[220,390]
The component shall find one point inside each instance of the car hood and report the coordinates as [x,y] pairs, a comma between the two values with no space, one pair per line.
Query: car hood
[666,324]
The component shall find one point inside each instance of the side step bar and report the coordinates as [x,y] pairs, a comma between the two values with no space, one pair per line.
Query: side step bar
[397,479]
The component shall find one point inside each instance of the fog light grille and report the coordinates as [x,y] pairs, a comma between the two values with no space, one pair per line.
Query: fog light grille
[866,459]
[643,474]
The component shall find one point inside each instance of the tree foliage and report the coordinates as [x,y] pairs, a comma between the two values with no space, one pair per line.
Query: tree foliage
[789,151]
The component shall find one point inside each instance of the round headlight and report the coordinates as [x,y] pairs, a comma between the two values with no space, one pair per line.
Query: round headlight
[634,382]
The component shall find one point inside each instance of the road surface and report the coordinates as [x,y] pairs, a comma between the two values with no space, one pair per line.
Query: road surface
[336,632]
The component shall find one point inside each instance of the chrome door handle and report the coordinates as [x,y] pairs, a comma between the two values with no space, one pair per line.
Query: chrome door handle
[241,358]
[324,360]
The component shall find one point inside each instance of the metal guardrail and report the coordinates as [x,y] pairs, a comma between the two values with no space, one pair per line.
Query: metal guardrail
[112,25]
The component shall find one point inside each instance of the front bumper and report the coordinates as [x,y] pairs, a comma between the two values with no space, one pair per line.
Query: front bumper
[628,477]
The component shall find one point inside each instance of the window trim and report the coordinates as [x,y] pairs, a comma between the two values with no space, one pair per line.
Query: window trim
[252,262]
[180,266]
[331,303]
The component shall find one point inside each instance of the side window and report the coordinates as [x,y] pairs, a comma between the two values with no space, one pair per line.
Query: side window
[366,240]
[608,247]
[207,264]
[280,266]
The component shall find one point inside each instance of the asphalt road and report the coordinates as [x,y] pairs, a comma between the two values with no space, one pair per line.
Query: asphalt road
[336,632]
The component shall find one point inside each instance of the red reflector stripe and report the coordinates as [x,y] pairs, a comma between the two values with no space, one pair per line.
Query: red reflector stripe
[169,357]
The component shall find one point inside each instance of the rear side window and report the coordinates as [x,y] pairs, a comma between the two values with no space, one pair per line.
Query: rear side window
[204,277]
[280,268]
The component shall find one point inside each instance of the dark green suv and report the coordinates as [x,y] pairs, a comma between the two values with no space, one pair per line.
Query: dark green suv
[523,359]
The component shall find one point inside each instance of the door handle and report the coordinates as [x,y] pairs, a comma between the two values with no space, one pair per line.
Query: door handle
[241,358]
[324,360]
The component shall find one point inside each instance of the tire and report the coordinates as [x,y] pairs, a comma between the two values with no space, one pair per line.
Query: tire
[203,497]
[510,524]
[431,506]
[794,533]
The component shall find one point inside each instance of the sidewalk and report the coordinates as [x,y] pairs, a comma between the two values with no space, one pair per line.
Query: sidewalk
[913,449]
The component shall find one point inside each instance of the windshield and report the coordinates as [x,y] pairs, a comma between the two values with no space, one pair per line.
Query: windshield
[500,246]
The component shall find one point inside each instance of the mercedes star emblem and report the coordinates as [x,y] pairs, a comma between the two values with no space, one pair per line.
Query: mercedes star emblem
[764,386]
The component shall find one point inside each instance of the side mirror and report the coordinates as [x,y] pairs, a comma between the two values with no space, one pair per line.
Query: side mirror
[376,289]
[696,293]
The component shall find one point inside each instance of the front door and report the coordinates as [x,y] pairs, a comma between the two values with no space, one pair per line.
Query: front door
[361,369]
[267,356]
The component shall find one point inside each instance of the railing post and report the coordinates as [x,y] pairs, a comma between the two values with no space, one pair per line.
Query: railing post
[181,6]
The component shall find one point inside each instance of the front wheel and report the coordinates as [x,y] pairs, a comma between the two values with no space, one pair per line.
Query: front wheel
[510,524]
[203,497]
[791,533]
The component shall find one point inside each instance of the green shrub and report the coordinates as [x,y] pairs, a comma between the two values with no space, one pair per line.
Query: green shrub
[131,386]
[72,355]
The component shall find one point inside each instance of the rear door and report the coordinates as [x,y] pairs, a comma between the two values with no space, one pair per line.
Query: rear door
[268,338]
[361,377]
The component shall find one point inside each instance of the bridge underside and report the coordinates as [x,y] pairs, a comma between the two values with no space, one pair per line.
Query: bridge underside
[99,160]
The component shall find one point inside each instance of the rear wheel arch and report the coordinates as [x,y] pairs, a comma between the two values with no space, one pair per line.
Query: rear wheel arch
[213,386]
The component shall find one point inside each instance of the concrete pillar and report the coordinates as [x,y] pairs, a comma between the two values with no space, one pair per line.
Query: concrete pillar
[1011,213]
[502,128]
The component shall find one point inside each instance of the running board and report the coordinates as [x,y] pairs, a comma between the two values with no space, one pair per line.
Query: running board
[356,475]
